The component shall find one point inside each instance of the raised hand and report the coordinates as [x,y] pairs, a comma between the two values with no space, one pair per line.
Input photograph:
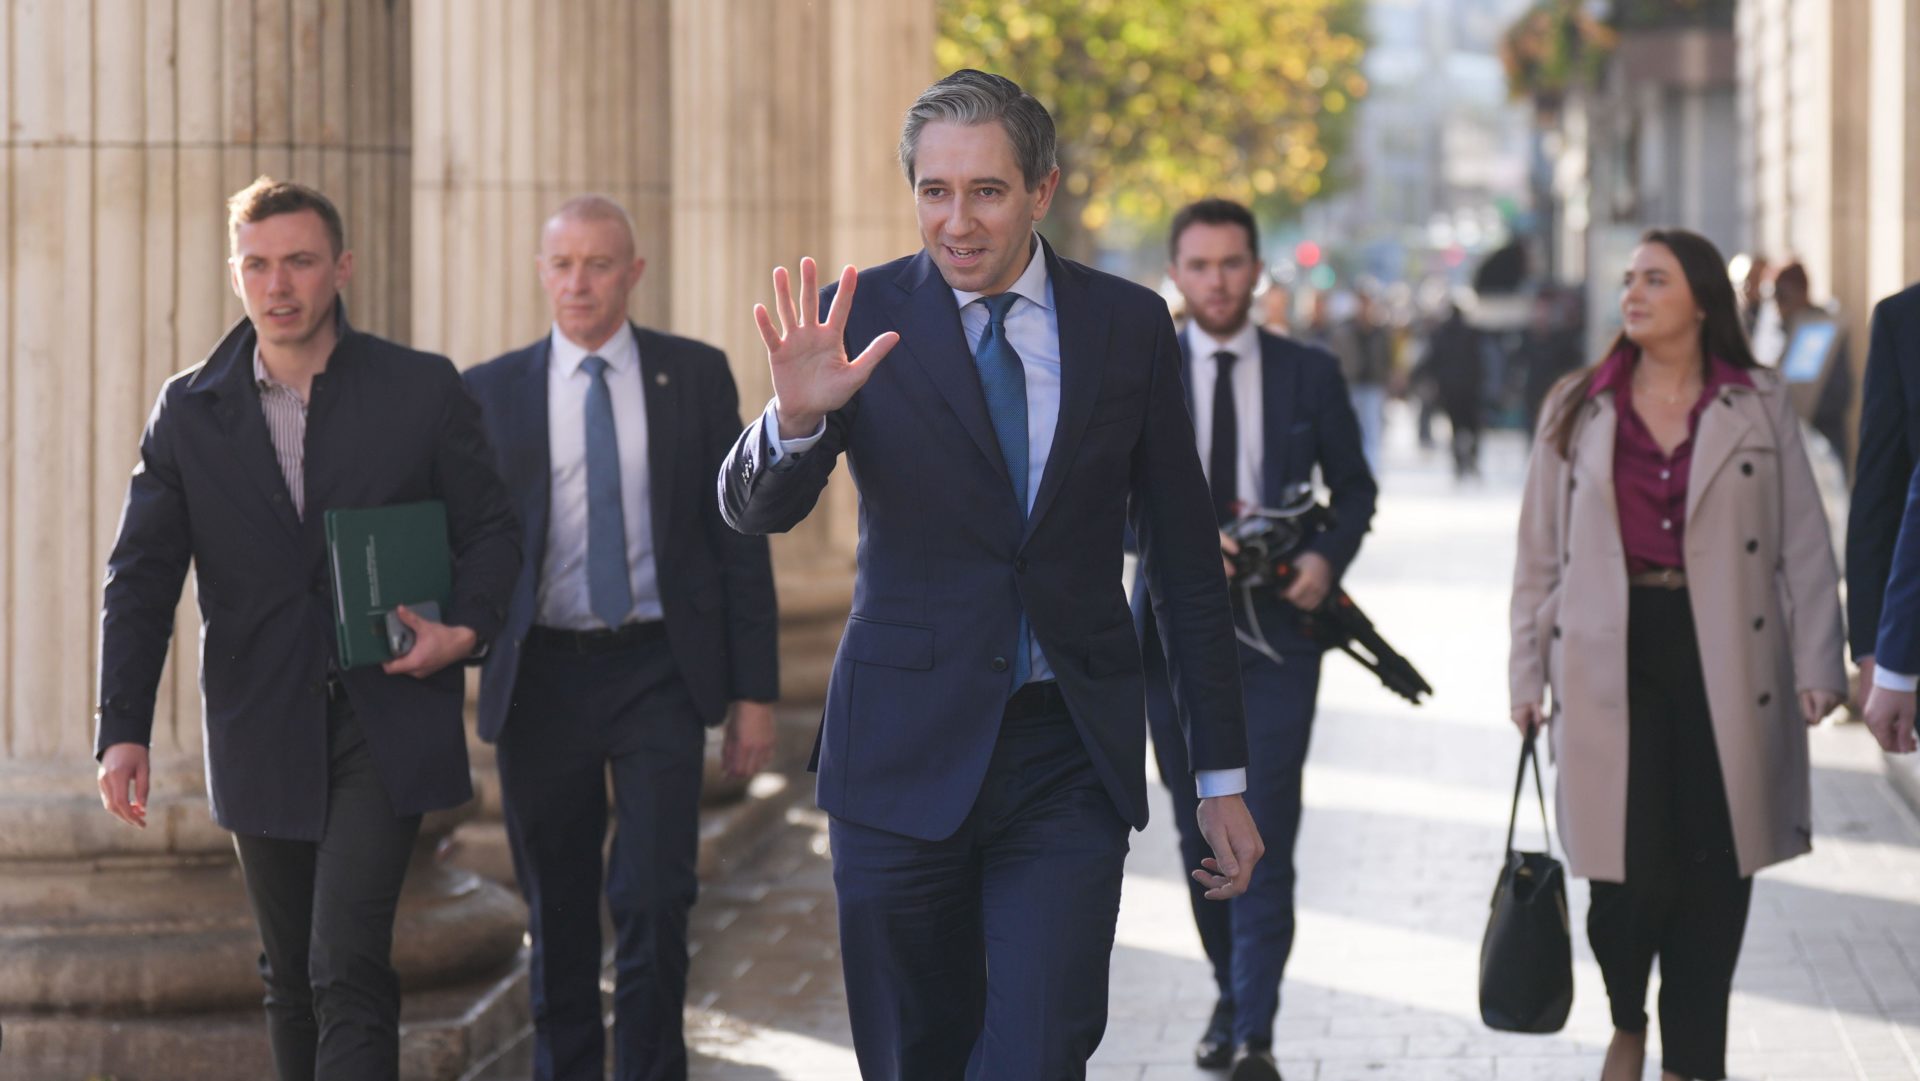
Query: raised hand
[811,373]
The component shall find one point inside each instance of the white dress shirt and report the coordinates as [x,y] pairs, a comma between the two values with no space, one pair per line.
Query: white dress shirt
[563,599]
[1202,375]
[1033,329]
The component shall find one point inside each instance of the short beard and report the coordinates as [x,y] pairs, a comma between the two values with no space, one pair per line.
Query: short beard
[1233,326]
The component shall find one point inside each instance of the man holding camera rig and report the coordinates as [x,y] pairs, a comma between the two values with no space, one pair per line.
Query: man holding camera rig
[1266,411]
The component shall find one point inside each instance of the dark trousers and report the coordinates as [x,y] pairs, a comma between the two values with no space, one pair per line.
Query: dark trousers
[1683,899]
[576,717]
[1249,938]
[985,955]
[325,911]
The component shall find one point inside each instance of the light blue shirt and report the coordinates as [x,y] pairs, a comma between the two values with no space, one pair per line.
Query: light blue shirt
[1033,329]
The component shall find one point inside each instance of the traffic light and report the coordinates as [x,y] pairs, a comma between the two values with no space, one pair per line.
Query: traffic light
[1306,254]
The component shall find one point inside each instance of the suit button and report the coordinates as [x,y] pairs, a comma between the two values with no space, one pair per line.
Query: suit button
[1020,566]
[1753,546]
[1765,698]
[998,664]
[1746,468]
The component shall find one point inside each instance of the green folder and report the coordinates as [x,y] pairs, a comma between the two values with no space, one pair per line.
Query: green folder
[382,557]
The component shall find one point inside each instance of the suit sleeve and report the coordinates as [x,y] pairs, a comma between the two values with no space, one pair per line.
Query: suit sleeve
[753,653]
[145,572]
[1352,491]
[1811,581]
[480,522]
[1880,481]
[1172,518]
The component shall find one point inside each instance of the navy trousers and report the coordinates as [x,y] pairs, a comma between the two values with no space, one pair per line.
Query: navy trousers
[1247,939]
[984,955]
[575,718]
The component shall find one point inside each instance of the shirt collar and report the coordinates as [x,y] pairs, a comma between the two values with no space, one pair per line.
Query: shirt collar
[263,378]
[1616,372]
[1244,342]
[620,351]
[1033,285]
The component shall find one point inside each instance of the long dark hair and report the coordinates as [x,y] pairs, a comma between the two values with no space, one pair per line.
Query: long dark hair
[1721,332]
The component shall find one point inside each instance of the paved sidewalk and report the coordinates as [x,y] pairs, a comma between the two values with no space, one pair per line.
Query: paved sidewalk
[1400,843]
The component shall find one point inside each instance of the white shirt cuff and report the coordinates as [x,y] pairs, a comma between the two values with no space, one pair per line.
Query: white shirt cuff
[778,448]
[1894,681]
[1219,782]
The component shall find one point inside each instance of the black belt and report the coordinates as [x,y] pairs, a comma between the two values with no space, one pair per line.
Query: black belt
[1036,700]
[590,642]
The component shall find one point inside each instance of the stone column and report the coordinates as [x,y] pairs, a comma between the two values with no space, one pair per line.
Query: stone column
[127,124]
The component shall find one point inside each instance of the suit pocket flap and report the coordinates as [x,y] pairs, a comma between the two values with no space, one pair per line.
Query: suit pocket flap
[896,645]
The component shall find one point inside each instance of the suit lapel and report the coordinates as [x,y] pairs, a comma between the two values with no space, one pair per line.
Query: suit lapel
[1722,425]
[931,334]
[236,407]
[1279,392]
[1084,329]
[662,391]
[527,424]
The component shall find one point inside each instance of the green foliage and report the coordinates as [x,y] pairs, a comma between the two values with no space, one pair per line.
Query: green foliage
[1553,47]
[1160,102]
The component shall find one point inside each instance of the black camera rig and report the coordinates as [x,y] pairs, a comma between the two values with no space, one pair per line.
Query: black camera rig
[1270,539]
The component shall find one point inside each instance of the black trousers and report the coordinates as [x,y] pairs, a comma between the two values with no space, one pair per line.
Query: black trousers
[325,911]
[1683,899]
[578,717]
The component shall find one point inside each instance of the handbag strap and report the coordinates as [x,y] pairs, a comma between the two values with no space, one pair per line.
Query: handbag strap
[1528,754]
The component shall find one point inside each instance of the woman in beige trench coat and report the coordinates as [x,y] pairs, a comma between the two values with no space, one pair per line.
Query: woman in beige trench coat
[1675,590]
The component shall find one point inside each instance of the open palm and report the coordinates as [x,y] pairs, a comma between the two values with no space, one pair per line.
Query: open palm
[808,357]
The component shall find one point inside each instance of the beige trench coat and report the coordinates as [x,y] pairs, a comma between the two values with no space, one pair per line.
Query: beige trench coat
[1766,608]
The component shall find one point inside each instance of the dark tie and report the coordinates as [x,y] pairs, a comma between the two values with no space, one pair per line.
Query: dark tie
[609,585]
[1004,381]
[1223,457]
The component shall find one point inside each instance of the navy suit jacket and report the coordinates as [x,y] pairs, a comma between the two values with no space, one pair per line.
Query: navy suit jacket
[1307,419]
[385,425]
[947,562]
[1889,447]
[716,586]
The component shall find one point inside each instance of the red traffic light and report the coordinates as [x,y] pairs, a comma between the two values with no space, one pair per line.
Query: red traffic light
[1306,253]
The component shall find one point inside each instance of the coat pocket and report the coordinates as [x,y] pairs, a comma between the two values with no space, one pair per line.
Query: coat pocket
[894,645]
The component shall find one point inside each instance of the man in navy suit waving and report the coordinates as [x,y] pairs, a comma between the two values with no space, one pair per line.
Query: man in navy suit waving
[981,755]
[1267,411]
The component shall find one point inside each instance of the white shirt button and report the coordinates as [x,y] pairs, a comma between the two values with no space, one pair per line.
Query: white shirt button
[1666,523]
[1666,475]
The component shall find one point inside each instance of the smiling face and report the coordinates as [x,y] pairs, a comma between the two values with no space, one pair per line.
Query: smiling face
[1657,306]
[1215,270]
[976,211]
[288,276]
[588,268]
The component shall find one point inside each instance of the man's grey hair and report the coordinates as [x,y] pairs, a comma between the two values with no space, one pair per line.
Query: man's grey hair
[593,207]
[975,97]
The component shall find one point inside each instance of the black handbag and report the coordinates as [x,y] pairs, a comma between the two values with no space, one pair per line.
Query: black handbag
[1526,958]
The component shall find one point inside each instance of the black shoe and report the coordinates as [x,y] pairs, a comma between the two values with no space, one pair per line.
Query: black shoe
[1215,1049]
[1253,1063]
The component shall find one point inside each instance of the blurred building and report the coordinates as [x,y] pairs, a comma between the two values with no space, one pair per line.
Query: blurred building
[1439,153]
[741,133]
[1830,145]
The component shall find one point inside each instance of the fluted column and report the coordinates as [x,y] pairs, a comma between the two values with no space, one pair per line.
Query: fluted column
[127,125]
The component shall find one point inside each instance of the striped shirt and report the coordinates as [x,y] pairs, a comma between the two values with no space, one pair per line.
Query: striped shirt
[286,414]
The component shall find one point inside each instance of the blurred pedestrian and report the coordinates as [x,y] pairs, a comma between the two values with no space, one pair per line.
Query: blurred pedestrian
[1753,293]
[1276,309]
[1677,453]
[1364,343]
[1551,349]
[1889,436]
[1456,365]
[1793,301]
[1268,413]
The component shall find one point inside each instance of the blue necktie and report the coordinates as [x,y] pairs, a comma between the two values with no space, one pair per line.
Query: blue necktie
[1004,380]
[609,586]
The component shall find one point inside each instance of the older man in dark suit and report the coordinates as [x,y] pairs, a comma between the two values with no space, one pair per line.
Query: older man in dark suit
[321,773]
[639,619]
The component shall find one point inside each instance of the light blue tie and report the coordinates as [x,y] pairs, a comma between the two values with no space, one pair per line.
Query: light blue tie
[1004,380]
[609,586]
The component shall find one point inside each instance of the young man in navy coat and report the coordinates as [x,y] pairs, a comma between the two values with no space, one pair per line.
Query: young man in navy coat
[1267,410]
[321,773]
[1889,447]
[638,619]
[982,752]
